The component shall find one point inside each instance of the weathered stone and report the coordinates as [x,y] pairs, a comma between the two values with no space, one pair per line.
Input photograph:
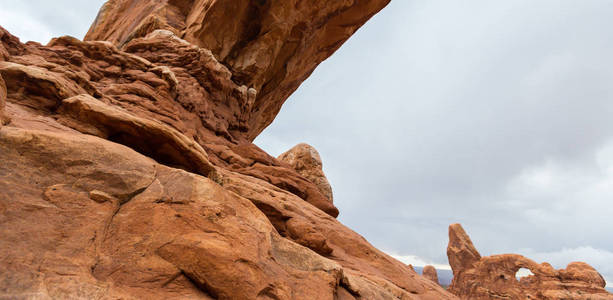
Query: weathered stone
[3,119]
[152,138]
[430,273]
[261,51]
[494,277]
[166,226]
[202,108]
[349,249]
[9,45]
[37,87]
[101,193]
[307,162]
[461,252]
[286,179]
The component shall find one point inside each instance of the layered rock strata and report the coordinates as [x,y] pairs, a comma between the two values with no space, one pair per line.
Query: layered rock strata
[128,170]
[3,118]
[270,46]
[494,277]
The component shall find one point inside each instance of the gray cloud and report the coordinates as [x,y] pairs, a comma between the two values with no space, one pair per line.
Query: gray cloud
[492,114]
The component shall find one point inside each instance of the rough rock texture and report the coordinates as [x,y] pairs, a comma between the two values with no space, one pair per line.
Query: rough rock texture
[306,161]
[117,223]
[461,252]
[494,277]
[270,46]
[3,118]
[430,273]
[3,56]
[129,173]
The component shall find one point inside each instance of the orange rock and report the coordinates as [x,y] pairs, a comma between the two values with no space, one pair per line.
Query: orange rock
[477,277]
[9,45]
[287,179]
[430,273]
[144,135]
[307,162]
[3,118]
[129,173]
[461,252]
[271,46]
[372,269]
[160,232]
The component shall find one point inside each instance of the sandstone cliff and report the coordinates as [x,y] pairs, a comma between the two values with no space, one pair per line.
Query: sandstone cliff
[127,169]
[270,46]
[494,277]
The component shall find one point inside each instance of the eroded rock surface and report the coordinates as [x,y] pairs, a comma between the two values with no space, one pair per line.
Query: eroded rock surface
[270,46]
[3,118]
[461,252]
[430,273]
[127,169]
[494,277]
[117,223]
[306,161]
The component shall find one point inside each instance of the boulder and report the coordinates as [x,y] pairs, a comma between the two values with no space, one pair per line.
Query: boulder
[306,161]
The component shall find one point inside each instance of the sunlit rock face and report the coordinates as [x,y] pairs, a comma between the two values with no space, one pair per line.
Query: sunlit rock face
[494,277]
[127,169]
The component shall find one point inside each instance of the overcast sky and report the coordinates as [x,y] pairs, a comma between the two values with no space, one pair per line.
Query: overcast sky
[494,114]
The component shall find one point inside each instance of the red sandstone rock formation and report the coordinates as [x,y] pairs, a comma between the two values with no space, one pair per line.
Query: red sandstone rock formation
[306,161]
[4,38]
[461,252]
[128,173]
[270,46]
[430,273]
[3,119]
[494,277]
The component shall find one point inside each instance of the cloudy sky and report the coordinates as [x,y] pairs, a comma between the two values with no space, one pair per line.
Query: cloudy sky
[493,114]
